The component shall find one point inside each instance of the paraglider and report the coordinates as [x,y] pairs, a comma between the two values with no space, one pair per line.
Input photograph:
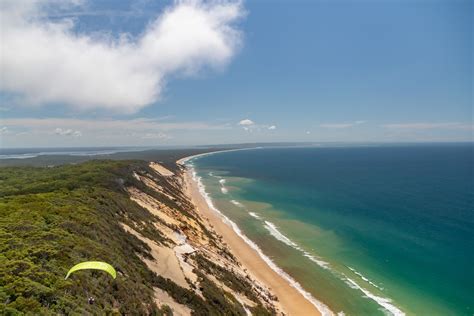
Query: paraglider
[94,265]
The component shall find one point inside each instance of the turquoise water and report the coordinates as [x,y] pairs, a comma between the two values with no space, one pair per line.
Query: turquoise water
[366,231]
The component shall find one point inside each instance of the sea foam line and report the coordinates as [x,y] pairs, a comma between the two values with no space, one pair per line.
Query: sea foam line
[278,235]
[253,214]
[237,203]
[382,301]
[364,278]
[323,309]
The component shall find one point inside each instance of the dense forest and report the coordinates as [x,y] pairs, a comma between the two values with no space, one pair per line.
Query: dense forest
[54,217]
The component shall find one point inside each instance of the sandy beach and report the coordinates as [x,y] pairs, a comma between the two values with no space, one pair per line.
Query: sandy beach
[290,299]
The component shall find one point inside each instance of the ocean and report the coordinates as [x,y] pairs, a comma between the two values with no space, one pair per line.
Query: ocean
[364,230]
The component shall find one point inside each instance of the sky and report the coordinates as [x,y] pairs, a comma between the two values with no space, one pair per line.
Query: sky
[160,73]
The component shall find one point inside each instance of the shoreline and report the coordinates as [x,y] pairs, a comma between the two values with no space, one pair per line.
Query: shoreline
[292,299]
[182,161]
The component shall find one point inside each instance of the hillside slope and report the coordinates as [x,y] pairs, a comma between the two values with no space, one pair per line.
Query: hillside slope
[127,213]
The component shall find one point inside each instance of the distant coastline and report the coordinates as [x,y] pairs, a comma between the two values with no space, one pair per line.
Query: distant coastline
[183,160]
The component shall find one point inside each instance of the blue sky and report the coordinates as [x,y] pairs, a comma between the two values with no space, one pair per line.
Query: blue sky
[269,71]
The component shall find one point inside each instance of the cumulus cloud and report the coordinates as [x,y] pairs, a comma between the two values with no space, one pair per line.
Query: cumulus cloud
[46,61]
[67,132]
[250,126]
[246,122]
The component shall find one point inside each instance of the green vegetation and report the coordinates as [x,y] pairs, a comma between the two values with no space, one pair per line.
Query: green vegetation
[229,278]
[53,218]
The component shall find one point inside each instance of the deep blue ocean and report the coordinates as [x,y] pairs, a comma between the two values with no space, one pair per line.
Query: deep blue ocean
[390,228]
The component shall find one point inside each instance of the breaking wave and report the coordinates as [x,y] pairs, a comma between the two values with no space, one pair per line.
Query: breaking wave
[364,278]
[382,301]
[254,215]
[278,235]
[224,190]
[237,203]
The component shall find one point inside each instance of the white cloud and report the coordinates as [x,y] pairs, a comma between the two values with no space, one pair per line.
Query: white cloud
[3,130]
[156,136]
[60,131]
[424,126]
[67,132]
[246,122]
[47,61]
[342,125]
[250,126]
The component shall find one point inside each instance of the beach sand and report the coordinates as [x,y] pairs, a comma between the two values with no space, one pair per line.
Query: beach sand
[289,299]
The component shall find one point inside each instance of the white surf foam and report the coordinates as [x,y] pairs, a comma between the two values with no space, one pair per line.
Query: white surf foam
[237,203]
[364,278]
[255,215]
[278,235]
[382,301]
[223,188]
[323,309]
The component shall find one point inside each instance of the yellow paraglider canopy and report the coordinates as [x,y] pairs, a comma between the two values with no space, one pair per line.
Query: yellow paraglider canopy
[95,265]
